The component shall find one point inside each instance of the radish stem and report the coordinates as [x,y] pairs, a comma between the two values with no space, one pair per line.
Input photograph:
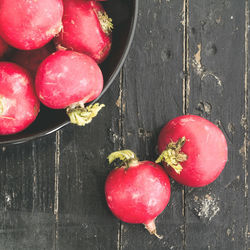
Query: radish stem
[128,157]
[105,21]
[81,115]
[172,155]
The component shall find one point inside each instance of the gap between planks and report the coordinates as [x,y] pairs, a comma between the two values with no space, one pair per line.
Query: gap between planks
[246,126]
[121,144]
[34,188]
[185,94]
[56,188]
[185,56]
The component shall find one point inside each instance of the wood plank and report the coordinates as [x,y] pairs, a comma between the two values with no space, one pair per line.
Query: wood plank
[152,95]
[216,215]
[27,194]
[247,125]
[84,220]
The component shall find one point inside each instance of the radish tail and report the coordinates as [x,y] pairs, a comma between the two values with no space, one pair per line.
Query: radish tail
[150,226]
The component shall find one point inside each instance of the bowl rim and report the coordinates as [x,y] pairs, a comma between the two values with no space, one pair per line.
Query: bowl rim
[109,82]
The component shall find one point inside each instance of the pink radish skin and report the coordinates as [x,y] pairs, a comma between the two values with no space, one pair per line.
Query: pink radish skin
[138,191]
[3,47]
[29,24]
[202,155]
[68,79]
[82,30]
[31,59]
[19,105]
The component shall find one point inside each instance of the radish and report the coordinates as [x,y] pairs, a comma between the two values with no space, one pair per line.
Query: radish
[86,29]
[68,79]
[19,105]
[193,150]
[30,24]
[31,59]
[3,47]
[138,191]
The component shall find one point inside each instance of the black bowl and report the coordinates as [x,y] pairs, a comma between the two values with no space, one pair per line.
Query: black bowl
[124,16]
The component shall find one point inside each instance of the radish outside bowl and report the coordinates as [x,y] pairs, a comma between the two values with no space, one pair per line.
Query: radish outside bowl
[124,16]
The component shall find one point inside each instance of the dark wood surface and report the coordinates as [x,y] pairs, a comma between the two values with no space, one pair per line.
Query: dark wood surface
[188,56]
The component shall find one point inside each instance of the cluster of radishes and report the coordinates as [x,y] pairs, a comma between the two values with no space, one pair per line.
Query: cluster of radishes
[50,51]
[193,152]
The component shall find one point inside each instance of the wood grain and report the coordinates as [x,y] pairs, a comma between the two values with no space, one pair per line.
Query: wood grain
[216,215]
[247,125]
[84,221]
[152,95]
[27,195]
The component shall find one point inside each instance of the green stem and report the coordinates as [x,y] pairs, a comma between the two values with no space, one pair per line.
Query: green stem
[81,115]
[105,22]
[128,157]
[172,155]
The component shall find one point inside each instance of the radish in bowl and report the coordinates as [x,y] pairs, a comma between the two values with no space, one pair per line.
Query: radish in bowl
[124,20]
[68,80]
[3,47]
[86,29]
[30,24]
[19,105]
[31,59]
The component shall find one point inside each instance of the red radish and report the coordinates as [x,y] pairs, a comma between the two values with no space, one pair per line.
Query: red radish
[193,150]
[86,29]
[3,47]
[30,24]
[138,191]
[31,59]
[68,79]
[19,105]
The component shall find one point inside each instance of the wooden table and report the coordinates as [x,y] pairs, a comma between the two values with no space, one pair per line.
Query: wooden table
[188,56]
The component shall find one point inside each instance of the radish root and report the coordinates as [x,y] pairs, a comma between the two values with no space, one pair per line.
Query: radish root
[152,229]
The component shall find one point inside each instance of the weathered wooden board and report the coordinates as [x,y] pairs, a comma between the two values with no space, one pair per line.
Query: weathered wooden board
[216,215]
[27,196]
[83,218]
[188,56]
[246,162]
[152,94]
